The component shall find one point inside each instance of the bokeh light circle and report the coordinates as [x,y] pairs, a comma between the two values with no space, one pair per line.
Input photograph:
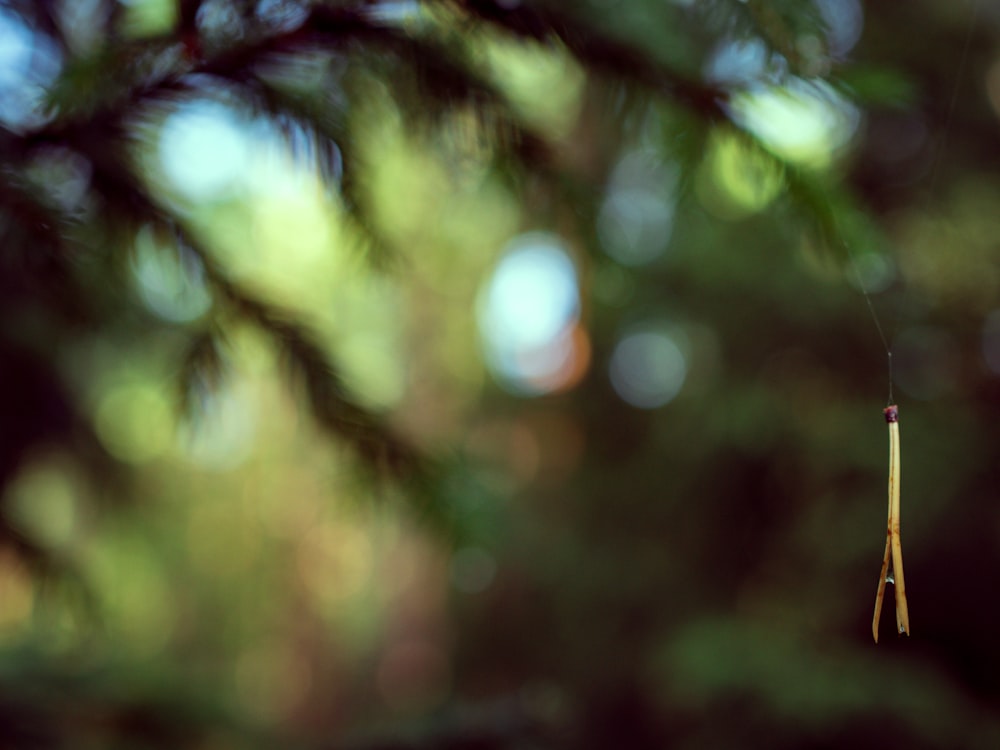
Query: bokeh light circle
[527,315]
[647,369]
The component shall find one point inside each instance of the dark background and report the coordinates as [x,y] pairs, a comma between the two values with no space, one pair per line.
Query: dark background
[270,478]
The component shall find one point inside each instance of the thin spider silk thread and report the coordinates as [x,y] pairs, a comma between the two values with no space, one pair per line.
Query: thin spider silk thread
[938,158]
[871,309]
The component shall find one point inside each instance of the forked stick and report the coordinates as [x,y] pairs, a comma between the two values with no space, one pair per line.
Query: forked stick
[892,540]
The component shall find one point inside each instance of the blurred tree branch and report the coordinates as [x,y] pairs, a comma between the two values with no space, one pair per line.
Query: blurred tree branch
[97,103]
[94,103]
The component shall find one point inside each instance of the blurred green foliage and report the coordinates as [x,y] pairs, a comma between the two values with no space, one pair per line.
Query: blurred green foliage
[487,374]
